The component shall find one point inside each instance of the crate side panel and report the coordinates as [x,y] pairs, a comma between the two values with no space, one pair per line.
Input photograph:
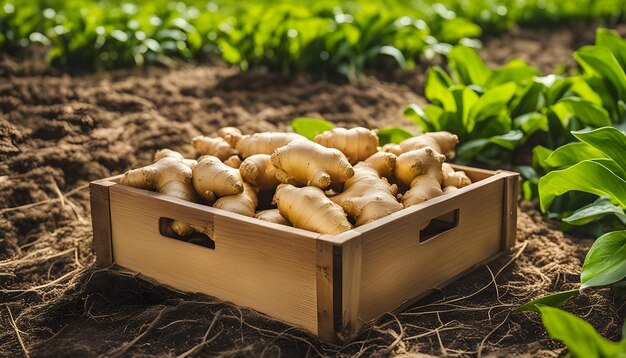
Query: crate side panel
[254,266]
[396,267]
[101,221]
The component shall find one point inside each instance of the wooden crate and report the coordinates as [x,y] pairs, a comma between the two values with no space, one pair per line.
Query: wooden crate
[330,285]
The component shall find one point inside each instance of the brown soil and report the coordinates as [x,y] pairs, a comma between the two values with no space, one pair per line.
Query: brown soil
[58,132]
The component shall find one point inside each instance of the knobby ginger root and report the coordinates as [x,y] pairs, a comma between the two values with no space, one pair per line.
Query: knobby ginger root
[273,216]
[233,161]
[418,162]
[442,142]
[356,143]
[454,179]
[244,203]
[169,175]
[216,147]
[308,208]
[423,187]
[449,189]
[260,143]
[212,178]
[310,163]
[259,172]
[367,196]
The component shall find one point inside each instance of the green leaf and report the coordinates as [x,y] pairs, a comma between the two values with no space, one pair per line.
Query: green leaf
[594,211]
[436,89]
[600,61]
[573,153]
[588,113]
[310,127]
[553,300]
[531,122]
[609,140]
[610,39]
[516,71]
[580,337]
[392,135]
[508,140]
[530,100]
[395,54]
[453,30]
[605,262]
[492,102]
[467,66]
[587,176]
[423,117]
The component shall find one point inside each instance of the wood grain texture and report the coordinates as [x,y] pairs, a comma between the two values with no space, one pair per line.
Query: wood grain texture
[351,286]
[101,221]
[509,212]
[253,264]
[396,267]
[325,309]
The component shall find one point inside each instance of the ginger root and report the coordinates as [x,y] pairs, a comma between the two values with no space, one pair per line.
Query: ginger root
[442,142]
[259,143]
[244,203]
[309,163]
[308,208]
[258,171]
[418,162]
[367,196]
[423,187]
[356,143]
[216,147]
[211,179]
[273,216]
[233,161]
[454,179]
[169,175]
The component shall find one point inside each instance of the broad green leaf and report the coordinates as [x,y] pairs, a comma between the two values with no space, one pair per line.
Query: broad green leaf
[540,155]
[588,113]
[605,262]
[310,127]
[516,71]
[529,123]
[609,140]
[600,61]
[553,300]
[392,135]
[492,102]
[419,116]
[580,337]
[468,66]
[587,176]
[594,211]
[610,39]
[455,29]
[436,89]
[508,140]
[529,101]
[395,54]
[573,153]
[465,99]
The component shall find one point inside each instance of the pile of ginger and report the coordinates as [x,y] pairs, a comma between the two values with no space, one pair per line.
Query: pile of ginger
[339,180]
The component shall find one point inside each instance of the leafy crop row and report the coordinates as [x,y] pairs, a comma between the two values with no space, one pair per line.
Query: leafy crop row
[321,37]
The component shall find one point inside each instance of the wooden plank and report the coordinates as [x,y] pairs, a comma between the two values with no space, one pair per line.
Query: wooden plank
[253,264]
[509,212]
[325,309]
[475,174]
[101,221]
[351,287]
[396,267]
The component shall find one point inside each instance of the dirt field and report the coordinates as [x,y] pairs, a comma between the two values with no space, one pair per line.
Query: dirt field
[58,132]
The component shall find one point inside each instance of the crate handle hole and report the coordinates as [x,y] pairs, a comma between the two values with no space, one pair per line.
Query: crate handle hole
[196,238]
[439,225]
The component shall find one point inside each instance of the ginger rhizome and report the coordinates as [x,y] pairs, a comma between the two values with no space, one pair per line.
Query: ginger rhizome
[169,175]
[216,147]
[442,142]
[452,178]
[367,196]
[309,163]
[357,143]
[211,179]
[244,203]
[233,161]
[260,143]
[273,216]
[259,172]
[422,170]
[308,208]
